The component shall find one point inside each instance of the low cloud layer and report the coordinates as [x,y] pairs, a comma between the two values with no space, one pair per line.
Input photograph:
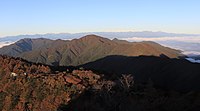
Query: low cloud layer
[189,45]
[195,39]
[193,60]
[5,44]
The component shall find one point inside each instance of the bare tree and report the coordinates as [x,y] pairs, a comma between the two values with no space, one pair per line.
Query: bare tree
[126,81]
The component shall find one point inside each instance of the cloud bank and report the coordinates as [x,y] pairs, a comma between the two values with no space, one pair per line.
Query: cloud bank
[193,60]
[195,39]
[2,44]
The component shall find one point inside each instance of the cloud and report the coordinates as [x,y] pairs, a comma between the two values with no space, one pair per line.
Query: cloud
[193,60]
[191,53]
[2,44]
[158,39]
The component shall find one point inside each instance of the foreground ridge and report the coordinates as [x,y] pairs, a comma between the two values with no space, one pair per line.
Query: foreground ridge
[29,86]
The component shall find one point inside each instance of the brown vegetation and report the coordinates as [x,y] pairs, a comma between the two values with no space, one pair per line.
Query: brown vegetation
[35,88]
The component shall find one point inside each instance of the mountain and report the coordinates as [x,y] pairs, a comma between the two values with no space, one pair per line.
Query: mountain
[26,86]
[103,34]
[80,51]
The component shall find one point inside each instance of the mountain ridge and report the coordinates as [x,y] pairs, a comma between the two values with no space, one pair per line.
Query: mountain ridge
[104,34]
[80,51]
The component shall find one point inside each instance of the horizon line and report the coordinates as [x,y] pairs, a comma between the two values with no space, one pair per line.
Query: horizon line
[95,32]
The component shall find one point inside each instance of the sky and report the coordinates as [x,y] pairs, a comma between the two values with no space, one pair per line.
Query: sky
[74,16]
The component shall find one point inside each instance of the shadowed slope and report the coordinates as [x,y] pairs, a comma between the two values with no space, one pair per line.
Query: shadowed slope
[167,73]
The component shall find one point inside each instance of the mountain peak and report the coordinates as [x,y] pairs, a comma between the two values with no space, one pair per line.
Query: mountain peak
[92,36]
[94,39]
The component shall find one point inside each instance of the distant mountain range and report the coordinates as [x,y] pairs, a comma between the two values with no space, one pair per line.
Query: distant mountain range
[110,35]
[80,51]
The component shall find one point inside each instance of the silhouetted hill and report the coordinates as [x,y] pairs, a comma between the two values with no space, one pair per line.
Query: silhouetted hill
[80,51]
[178,74]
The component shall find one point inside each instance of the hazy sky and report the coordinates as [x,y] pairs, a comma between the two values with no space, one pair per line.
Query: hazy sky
[55,16]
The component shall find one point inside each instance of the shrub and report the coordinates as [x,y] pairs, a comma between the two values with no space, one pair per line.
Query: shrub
[2,97]
[15,100]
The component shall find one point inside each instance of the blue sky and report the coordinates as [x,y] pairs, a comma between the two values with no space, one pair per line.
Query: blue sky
[57,16]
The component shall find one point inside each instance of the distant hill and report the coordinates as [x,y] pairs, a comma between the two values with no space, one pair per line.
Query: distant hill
[80,51]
